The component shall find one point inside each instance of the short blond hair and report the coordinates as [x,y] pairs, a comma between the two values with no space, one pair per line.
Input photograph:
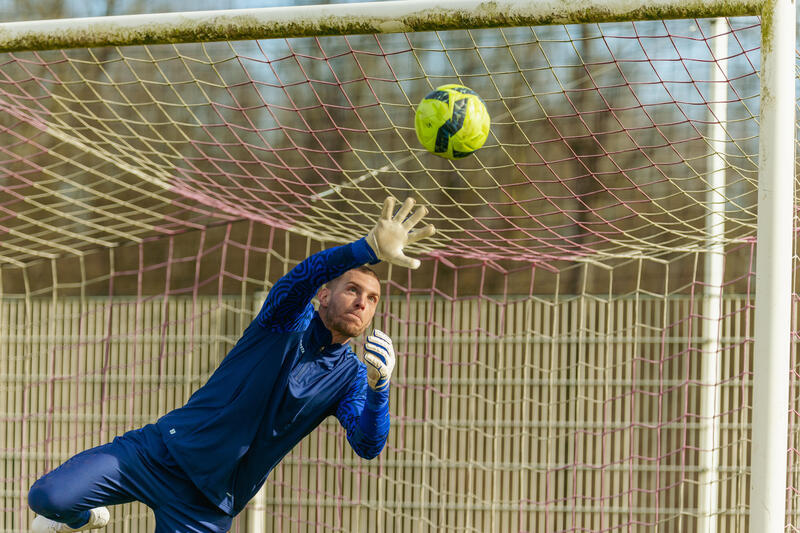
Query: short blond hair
[363,268]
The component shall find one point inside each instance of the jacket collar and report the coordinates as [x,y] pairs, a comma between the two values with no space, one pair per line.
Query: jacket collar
[319,339]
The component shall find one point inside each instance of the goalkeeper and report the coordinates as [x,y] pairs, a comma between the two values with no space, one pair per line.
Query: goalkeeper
[199,465]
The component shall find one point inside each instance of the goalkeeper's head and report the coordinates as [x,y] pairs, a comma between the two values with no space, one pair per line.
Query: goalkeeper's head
[347,303]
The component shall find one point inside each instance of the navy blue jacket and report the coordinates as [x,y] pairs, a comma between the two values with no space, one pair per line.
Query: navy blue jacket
[280,381]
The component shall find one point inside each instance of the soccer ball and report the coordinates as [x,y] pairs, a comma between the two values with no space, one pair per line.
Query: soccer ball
[452,121]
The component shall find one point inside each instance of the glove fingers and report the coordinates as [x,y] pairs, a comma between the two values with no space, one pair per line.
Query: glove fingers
[382,335]
[379,358]
[403,261]
[375,363]
[381,352]
[411,221]
[422,233]
[381,339]
[405,209]
[378,343]
[388,208]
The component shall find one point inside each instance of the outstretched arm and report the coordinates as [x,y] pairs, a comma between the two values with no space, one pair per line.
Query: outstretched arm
[364,411]
[288,304]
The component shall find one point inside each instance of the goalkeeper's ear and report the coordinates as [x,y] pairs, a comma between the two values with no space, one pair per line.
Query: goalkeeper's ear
[323,295]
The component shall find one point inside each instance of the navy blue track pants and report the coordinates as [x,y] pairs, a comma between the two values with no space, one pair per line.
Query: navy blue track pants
[133,467]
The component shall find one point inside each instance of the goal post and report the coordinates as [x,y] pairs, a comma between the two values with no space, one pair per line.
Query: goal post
[548,377]
[773,271]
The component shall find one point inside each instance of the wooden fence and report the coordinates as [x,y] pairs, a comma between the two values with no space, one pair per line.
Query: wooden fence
[508,414]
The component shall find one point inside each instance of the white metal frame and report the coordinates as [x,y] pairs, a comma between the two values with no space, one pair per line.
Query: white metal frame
[341,19]
[773,269]
[711,364]
[776,152]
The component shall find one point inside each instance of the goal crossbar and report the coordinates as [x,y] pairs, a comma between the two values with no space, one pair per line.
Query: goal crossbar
[344,19]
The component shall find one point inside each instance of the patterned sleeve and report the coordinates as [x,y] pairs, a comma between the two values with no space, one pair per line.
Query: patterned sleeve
[364,414]
[288,304]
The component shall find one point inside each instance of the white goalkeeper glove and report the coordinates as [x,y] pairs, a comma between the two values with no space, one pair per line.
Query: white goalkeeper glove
[390,235]
[379,358]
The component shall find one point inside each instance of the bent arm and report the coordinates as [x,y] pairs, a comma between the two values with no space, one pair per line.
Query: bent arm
[288,304]
[364,414]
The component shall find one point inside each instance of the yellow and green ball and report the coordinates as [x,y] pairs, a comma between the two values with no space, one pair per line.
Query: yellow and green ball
[452,121]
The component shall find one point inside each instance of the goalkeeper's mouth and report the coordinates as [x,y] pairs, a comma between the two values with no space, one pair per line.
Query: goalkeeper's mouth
[354,316]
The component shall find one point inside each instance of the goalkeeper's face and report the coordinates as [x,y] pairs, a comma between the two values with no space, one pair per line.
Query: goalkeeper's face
[347,304]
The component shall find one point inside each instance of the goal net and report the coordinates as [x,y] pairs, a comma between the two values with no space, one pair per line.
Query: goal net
[576,351]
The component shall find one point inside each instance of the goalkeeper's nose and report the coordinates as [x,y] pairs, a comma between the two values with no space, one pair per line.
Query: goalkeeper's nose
[360,302]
